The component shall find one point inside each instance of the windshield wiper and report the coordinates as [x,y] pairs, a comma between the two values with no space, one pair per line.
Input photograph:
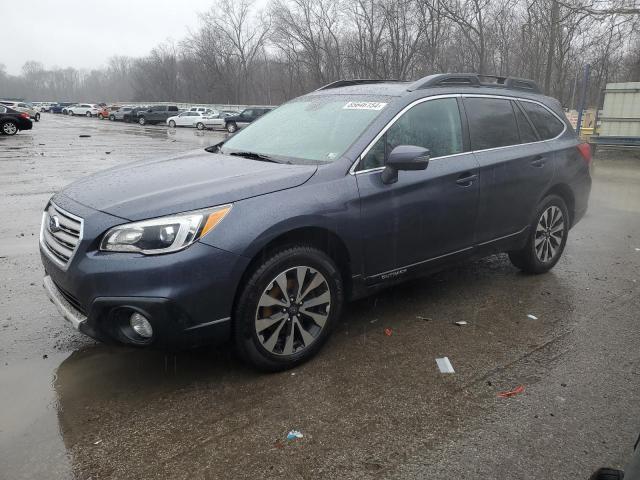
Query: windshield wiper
[255,156]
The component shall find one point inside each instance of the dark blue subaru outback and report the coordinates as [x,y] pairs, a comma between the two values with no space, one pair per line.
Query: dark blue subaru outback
[333,195]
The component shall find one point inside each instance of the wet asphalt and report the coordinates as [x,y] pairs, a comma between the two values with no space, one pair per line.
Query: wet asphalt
[370,406]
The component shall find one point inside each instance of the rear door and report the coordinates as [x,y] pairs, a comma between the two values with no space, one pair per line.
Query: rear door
[515,166]
[426,216]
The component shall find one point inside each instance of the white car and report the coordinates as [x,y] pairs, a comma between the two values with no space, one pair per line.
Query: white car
[188,119]
[25,107]
[88,109]
[201,109]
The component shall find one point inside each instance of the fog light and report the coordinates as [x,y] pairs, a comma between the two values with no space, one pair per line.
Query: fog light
[141,325]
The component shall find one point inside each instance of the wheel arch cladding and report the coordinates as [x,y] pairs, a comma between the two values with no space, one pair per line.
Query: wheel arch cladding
[320,238]
[564,191]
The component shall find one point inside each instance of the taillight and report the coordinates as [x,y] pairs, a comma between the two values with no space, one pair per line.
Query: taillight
[585,151]
[24,115]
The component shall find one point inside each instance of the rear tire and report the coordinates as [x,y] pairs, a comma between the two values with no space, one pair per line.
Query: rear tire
[200,126]
[547,237]
[142,121]
[88,114]
[275,333]
[37,118]
[172,124]
[100,116]
[608,474]
[70,112]
[231,127]
[112,118]
[9,128]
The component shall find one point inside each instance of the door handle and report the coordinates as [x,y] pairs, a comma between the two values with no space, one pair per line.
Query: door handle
[538,161]
[466,179]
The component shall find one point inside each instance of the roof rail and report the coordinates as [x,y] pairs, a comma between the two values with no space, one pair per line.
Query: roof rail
[356,81]
[474,80]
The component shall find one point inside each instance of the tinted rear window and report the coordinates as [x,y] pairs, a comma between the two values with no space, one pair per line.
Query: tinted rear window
[492,123]
[547,125]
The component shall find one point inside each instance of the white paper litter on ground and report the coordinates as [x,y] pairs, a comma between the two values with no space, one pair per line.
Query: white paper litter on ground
[461,323]
[532,317]
[445,365]
[637,249]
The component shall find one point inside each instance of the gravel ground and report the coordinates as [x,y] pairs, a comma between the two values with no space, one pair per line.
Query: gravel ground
[370,406]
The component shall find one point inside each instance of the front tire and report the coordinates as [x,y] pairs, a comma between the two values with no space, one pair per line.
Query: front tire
[88,114]
[70,112]
[200,126]
[142,121]
[100,116]
[287,308]
[112,118]
[231,127]
[547,237]
[172,124]
[37,118]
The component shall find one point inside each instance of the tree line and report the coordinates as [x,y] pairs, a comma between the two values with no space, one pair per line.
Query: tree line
[240,54]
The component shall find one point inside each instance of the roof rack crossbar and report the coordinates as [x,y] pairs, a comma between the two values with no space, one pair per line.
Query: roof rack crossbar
[355,81]
[474,80]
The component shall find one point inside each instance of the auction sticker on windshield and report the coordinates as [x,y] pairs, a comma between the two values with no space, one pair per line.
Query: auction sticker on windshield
[364,106]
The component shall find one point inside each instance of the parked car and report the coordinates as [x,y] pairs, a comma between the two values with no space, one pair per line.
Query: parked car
[34,114]
[86,109]
[190,119]
[330,197]
[46,106]
[60,107]
[107,111]
[234,122]
[157,114]
[132,114]
[120,112]
[216,120]
[200,109]
[12,121]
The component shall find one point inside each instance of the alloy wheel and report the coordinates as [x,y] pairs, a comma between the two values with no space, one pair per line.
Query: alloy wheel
[293,310]
[9,128]
[549,234]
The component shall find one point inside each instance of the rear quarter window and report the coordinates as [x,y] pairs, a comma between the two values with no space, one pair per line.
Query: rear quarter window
[492,123]
[547,125]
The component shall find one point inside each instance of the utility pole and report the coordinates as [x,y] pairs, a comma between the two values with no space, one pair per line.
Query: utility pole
[583,97]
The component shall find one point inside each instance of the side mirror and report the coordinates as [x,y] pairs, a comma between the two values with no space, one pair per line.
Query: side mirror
[404,157]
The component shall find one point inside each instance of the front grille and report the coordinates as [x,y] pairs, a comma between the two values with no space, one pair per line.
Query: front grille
[60,234]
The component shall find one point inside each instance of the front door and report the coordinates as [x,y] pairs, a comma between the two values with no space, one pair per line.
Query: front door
[428,215]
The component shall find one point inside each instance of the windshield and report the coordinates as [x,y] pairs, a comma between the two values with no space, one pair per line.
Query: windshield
[310,129]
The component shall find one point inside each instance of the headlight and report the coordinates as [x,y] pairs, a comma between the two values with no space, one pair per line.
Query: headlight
[164,234]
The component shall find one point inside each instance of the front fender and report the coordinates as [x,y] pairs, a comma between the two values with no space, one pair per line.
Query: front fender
[333,206]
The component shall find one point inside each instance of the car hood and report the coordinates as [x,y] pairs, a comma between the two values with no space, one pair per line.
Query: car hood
[186,182]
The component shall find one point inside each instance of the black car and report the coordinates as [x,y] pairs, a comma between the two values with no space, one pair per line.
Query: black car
[157,114]
[234,122]
[132,115]
[330,197]
[12,121]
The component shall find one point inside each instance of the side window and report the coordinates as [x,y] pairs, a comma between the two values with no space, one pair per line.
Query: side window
[527,133]
[247,113]
[173,108]
[492,123]
[547,125]
[434,124]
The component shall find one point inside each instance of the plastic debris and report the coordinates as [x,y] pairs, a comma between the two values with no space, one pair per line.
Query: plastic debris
[294,435]
[512,393]
[84,136]
[425,319]
[98,442]
[388,332]
[445,365]
[374,320]
[637,249]
[461,323]
[532,317]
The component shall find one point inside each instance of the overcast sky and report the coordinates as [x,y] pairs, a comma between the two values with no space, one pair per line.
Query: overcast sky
[85,33]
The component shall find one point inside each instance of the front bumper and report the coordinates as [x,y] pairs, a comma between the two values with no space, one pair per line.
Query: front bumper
[187,296]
